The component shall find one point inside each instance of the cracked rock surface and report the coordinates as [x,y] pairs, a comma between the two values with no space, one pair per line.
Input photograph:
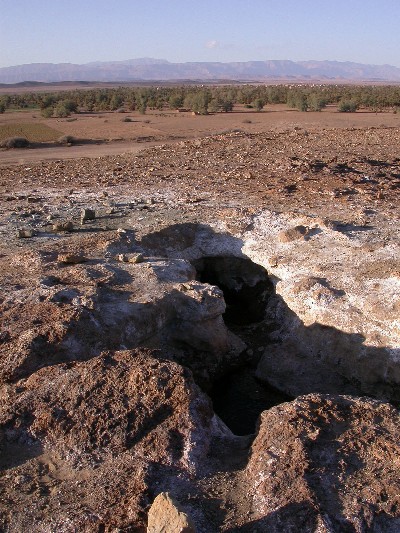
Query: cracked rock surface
[112,336]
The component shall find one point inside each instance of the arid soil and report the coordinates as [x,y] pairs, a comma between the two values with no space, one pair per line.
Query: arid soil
[107,133]
[274,251]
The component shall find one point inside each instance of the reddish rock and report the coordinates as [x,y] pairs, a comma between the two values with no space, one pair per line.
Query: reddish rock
[62,226]
[326,463]
[293,234]
[72,259]
[94,439]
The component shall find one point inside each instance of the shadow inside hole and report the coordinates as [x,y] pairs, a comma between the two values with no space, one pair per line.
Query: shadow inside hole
[246,286]
[239,398]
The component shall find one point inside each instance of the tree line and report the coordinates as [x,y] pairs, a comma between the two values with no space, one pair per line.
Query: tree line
[205,99]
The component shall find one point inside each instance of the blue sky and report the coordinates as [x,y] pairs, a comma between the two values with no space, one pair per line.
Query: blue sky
[80,31]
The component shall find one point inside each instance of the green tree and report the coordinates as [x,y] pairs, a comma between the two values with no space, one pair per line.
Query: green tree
[47,112]
[61,111]
[347,106]
[175,101]
[316,102]
[141,101]
[64,108]
[226,105]
[116,102]
[213,106]
[48,100]
[301,102]
[258,104]
[198,102]
[71,105]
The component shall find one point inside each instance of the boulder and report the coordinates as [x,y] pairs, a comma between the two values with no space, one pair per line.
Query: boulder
[326,463]
[94,439]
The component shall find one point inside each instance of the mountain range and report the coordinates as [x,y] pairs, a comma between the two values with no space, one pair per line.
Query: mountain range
[147,69]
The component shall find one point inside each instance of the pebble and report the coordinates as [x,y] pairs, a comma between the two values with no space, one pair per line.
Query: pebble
[26,233]
[130,258]
[65,225]
[71,259]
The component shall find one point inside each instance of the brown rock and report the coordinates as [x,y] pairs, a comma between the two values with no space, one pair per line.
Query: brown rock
[33,199]
[130,258]
[293,234]
[326,223]
[106,433]
[63,226]
[87,214]
[71,259]
[166,516]
[26,233]
[327,463]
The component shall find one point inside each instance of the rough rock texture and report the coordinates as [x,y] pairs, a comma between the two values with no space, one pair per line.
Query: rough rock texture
[100,435]
[324,464]
[100,361]
[338,303]
[166,516]
[72,312]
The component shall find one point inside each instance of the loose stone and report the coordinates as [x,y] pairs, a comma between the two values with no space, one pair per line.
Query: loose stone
[87,214]
[26,233]
[130,258]
[66,225]
[71,258]
[166,515]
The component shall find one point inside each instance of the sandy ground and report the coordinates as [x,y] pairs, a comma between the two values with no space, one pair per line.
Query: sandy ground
[116,137]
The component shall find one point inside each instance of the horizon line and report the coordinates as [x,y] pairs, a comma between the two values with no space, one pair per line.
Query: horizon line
[208,62]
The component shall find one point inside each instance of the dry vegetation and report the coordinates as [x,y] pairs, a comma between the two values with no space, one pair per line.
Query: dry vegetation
[35,132]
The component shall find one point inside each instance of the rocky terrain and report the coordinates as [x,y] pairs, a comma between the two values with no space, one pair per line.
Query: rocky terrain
[217,320]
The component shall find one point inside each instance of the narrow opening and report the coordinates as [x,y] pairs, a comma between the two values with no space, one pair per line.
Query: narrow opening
[246,287]
[238,397]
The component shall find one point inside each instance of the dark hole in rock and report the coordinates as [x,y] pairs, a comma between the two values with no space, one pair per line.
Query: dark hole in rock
[246,286]
[239,398]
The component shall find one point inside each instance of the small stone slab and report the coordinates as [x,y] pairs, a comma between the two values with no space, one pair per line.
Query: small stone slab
[87,214]
[71,259]
[26,233]
[130,258]
[166,516]
[293,234]
[65,225]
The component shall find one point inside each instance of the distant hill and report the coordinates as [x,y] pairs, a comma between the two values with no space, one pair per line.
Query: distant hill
[162,70]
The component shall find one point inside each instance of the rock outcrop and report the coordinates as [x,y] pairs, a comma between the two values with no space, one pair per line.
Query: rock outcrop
[326,464]
[273,255]
[337,306]
[88,443]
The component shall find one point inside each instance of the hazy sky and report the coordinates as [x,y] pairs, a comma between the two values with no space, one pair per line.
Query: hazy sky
[80,31]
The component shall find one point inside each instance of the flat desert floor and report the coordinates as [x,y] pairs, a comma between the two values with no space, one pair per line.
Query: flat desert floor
[107,133]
